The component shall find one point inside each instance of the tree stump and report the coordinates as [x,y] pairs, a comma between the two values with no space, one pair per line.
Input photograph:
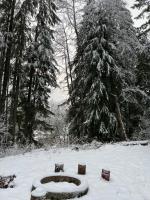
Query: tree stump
[105,175]
[81,169]
[59,167]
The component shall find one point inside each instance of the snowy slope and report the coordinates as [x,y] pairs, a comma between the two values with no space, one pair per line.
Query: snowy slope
[129,165]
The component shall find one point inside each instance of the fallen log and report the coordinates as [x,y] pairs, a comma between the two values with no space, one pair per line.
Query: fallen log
[133,143]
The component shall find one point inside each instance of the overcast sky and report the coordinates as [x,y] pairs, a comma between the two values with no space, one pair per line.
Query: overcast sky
[134,12]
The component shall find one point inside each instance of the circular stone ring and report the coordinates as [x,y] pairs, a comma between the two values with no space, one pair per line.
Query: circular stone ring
[41,190]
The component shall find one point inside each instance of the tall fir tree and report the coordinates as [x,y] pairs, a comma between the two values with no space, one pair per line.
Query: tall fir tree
[7,9]
[95,69]
[124,36]
[27,64]
[41,69]
[22,33]
[143,83]
[106,54]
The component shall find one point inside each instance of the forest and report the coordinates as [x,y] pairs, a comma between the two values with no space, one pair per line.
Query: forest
[74,99]
[102,57]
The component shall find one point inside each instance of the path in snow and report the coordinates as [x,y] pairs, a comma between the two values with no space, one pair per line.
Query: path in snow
[129,166]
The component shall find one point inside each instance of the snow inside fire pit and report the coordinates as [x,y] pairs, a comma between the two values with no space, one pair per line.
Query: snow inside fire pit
[59,187]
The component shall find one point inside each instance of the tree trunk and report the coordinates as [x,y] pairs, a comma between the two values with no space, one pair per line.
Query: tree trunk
[29,109]
[1,70]
[30,105]
[16,80]
[14,104]
[119,119]
[67,73]
[7,59]
[68,56]
[75,20]
[2,59]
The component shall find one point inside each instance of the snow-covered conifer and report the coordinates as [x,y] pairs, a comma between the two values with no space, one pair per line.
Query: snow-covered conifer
[104,68]
[41,67]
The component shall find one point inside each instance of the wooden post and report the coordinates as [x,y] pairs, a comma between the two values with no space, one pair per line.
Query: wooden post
[59,167]
[81,169]
[105,175]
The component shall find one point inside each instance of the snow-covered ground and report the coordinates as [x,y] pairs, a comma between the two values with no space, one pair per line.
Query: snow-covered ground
[129,166]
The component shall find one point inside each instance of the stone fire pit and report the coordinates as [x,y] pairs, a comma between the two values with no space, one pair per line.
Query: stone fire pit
[58,187]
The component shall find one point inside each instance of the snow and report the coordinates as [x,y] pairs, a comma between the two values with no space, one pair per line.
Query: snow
[142,142]
[60,187]
[39,192]
[129,166]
